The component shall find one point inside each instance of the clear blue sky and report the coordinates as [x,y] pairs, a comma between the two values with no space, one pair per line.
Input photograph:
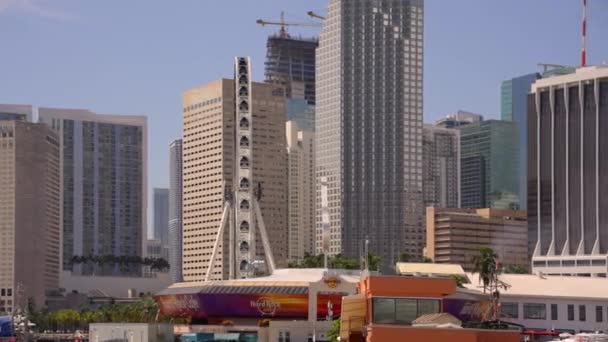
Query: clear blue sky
[138,56]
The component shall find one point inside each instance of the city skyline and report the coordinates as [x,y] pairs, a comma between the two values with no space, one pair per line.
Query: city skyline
[156,76]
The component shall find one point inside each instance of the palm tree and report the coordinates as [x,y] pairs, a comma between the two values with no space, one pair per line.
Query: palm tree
[484,264]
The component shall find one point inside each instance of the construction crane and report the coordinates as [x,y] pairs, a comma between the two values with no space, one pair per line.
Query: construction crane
[314,15]
[283,32]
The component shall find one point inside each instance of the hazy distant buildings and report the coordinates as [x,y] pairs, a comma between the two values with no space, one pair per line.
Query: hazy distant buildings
[301,191]
[460,118]
[369,127]
[454,236]
[567,162]
[175,210]
[103,168]
[208,164]
[441,167]
[30,214]
[161,219]
[489,165]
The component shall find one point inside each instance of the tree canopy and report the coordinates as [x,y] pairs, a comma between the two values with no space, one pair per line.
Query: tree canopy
[336,261]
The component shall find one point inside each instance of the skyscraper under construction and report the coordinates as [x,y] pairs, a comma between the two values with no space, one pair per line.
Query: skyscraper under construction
[290,67]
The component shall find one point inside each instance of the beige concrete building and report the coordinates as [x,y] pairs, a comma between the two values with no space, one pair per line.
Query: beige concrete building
[208,149]
[301,191]
[30,214]
[454,236]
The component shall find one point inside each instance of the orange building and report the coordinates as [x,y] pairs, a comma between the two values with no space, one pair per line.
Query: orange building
[384,309]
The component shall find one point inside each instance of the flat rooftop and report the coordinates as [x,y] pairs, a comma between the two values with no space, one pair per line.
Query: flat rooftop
[530,285]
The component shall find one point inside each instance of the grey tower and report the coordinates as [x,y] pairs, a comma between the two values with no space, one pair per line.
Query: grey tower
[567,163]
[369,127]
[175,210]
[161,219]
[441,166]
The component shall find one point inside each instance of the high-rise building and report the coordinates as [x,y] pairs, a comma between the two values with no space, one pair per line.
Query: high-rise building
[103,162]
[514,107]
[301,191]
[16,112]
[290,64]
[30,214]
[209,164]
[454,236]
[441,167]
[161,219]
[567,159]
[460,118]
[175,210]
[369,127]
[488,165]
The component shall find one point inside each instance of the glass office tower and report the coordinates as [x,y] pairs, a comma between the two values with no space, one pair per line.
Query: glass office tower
[489,165]
[369,127]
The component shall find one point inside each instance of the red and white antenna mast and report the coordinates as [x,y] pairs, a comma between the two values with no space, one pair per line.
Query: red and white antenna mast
[584,36]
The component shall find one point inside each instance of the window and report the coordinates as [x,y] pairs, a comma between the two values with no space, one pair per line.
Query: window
[402,310]
[599,314]
[570,312]
[554,312]
[509,310]
[582,313]
[535,311]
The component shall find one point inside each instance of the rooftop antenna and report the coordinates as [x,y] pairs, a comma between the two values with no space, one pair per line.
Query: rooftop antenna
[584,36]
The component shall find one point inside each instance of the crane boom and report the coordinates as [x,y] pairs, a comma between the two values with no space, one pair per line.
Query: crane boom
[264,23]
[314,15]
[283,32]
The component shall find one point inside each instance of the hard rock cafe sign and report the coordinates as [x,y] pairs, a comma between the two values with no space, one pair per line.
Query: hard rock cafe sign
[181,303]
[266,306]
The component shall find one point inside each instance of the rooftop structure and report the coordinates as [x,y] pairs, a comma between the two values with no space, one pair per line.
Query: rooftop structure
[460,118]
[433,270]
[16,112]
